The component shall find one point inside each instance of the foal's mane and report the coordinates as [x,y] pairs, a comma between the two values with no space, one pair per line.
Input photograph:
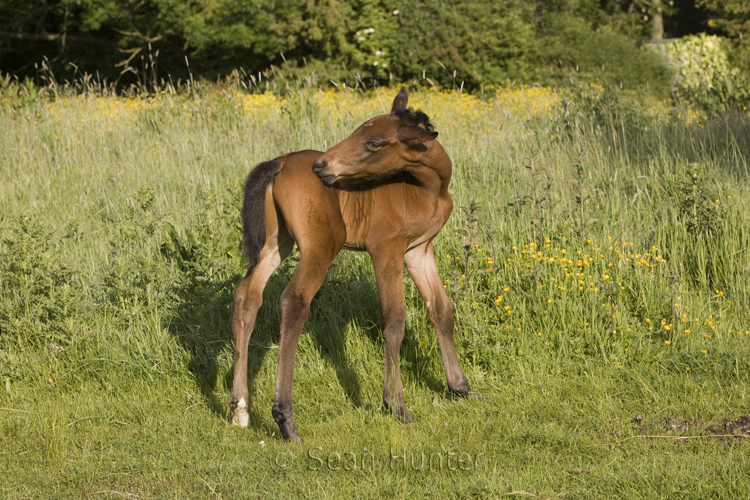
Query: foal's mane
[416,117]
[373,181]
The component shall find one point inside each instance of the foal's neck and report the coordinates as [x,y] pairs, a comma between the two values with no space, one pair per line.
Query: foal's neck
[434,163]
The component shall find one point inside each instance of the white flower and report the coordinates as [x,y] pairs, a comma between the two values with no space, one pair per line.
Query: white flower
[395,12]
[377,52]
[375,63]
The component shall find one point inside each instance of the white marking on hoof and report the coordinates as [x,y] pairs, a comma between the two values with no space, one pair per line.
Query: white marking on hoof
[241,416]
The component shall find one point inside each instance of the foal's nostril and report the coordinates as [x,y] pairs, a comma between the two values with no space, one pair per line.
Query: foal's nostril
[319,165]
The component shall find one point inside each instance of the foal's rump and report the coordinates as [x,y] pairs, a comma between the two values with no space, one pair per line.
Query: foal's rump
[304,203]
[309,209]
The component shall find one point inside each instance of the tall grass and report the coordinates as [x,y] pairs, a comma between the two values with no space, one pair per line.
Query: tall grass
[597,259]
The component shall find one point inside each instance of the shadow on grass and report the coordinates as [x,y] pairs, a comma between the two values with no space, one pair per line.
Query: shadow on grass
[201,325]
[350,296]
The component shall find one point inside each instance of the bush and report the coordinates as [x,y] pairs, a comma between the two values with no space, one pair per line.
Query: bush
[483,42]
[704,75]
[572,47]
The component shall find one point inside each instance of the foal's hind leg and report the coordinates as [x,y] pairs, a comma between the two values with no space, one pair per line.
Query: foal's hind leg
[295,309]
[420,262]
[247,300]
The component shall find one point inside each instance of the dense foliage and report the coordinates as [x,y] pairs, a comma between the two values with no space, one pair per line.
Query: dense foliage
[448,41]
[705,75]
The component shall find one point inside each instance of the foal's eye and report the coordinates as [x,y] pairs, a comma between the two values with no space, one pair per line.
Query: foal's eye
[373,146]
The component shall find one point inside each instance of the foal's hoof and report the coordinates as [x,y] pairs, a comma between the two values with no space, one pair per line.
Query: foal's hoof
[470,395]
[241,417]
[290,434]
[403,416]
[285,420]
[400,412]
[474,396]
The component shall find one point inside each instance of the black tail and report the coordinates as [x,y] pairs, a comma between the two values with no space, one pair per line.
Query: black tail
[254,208]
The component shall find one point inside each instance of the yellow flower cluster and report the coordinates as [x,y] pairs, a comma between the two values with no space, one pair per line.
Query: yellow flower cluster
[448,108]
[598,270]
[109,108]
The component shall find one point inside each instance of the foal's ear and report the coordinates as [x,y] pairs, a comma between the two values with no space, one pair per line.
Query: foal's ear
[412,134]
[399,103]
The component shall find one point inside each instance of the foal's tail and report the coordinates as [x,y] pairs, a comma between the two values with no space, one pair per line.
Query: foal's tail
[254,208]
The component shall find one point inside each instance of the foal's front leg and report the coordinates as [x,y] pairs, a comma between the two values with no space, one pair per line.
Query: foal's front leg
[420,262]
[389,275]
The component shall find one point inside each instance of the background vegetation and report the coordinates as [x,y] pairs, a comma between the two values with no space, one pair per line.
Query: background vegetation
[452,42]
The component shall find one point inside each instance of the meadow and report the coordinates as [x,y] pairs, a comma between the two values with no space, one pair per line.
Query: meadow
[597,258]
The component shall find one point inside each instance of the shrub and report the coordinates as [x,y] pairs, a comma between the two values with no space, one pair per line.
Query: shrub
[484,42]
[572,47]
[704,76]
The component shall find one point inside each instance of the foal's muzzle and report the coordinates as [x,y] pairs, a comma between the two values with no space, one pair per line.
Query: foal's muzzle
[319,168]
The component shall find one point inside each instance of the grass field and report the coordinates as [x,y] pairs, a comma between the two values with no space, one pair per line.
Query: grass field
[597,258]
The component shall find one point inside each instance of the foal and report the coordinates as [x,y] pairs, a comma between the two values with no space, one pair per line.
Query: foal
[384,189]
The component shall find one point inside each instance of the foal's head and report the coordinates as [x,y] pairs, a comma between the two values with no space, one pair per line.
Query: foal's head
[383,145]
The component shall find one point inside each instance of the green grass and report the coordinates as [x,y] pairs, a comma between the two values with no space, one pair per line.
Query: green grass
[119,255]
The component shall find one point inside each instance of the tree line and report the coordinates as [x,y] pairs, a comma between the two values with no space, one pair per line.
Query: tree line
[445,42]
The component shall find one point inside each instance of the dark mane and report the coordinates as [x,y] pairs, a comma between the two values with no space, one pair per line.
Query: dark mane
[373,181]
[416,117]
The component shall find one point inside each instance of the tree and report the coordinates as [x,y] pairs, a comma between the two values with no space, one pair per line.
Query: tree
[449,41]
[645,17]
[730,16]
[483,41]
[125,36]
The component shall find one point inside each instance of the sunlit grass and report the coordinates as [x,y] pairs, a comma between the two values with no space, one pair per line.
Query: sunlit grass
[582,298]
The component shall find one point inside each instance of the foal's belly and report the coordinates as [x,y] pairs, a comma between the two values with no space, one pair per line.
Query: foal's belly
[354,248]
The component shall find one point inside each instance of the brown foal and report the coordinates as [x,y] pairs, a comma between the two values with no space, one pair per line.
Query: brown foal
[384,189]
